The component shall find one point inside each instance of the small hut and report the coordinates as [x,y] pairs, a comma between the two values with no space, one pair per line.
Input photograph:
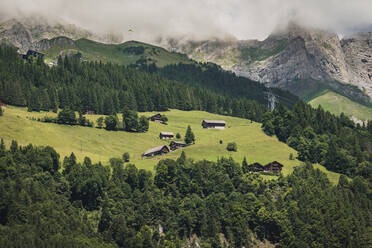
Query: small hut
[156,118]
[159,150]
[217,124]
[274,166]
[166,135]
[174,145]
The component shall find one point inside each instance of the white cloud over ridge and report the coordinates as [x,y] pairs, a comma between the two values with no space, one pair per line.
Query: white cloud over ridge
[200,19]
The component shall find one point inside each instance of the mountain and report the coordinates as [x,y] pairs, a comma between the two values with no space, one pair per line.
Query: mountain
[23,32]
[303,60]
[66,39]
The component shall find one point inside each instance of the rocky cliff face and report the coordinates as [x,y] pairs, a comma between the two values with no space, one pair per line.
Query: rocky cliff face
[25,33]
[294,55]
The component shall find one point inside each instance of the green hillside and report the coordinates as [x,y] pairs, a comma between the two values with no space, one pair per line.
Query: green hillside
[101,145]
[337,104]
[130,52]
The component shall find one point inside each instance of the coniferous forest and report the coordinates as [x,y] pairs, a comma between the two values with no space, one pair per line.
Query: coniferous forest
[45,202]
[108,89]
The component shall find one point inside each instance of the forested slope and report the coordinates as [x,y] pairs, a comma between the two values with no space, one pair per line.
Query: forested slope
[108,88]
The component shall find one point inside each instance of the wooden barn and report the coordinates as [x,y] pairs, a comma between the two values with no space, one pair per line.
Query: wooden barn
[274,166]
[174,145]
[166,135]
[256,167]
[159,150]
[156,118]
[218,124]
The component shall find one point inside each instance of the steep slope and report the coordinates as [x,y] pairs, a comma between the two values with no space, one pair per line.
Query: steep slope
[298,59]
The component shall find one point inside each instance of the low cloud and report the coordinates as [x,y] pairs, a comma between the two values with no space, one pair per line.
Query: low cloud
[198,19]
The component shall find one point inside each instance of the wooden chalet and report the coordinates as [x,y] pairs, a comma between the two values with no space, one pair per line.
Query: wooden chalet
[3,105]
[256,167]
[174,145]
[166,135]
[159,150]
[274,166]
[156,118]
[218,124]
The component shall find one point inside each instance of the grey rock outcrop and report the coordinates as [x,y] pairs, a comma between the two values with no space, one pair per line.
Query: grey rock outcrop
[296,54]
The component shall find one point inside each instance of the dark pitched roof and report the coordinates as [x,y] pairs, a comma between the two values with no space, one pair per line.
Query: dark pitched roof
[155,149]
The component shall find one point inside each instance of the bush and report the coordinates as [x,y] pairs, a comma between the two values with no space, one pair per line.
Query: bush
[221,142]
[232,147]
[126,157]
[178,136]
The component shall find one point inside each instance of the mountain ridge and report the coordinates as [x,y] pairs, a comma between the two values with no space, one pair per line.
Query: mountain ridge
[292,54]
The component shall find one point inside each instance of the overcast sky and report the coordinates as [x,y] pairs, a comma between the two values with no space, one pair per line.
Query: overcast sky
[244,19]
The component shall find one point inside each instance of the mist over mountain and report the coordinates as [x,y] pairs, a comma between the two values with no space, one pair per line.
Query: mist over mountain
[148,20]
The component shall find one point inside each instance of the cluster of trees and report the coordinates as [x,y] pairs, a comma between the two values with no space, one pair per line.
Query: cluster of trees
[320,137]
[67,116]
[130,122]
[108,89]
[91,205]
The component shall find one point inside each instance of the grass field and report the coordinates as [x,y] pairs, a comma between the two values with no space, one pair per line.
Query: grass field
[116,53]
[337,104]
[101,145]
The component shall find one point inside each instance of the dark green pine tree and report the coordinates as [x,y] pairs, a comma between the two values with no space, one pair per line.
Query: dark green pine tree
[189,136]
[245,165]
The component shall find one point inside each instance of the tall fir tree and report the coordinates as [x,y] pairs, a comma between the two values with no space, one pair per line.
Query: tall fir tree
[189,136]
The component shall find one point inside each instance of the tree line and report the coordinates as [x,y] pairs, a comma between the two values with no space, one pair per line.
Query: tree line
[85,204]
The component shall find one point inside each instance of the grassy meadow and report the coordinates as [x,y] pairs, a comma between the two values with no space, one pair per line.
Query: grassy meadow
[101,145]
[115,53]
[337,104]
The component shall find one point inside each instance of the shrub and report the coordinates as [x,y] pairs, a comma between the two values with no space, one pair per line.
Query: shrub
[126,157]
[178,136]
[232,147]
